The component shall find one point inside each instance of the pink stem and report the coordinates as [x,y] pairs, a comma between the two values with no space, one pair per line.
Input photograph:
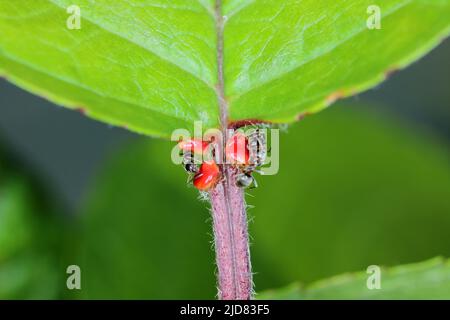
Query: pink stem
[231,239]
[228,205]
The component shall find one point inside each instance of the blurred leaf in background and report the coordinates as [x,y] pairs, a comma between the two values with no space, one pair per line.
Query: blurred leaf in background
[355,188]
[145,234]
[424,280]
[30,237]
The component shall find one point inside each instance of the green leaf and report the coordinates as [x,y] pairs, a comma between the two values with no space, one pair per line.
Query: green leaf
[149,66]
[152,66]
[297,57]
[425,280]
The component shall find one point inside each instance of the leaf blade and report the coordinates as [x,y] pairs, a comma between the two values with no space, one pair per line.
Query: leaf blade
[288,90]
[139,77]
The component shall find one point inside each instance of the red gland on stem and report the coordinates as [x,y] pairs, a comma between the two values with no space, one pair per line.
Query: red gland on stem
[193,145]
[208,176]
[236,150]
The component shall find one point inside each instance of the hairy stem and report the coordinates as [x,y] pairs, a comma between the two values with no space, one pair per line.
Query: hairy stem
[231,240]
[228,206]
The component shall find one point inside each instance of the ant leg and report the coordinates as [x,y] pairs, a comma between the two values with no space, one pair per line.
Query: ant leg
[254,185]
[258,171]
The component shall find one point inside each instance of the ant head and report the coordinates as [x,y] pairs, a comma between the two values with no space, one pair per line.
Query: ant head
[191,167]
[244,180]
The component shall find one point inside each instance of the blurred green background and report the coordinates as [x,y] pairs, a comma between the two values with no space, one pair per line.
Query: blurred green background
[364,182]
